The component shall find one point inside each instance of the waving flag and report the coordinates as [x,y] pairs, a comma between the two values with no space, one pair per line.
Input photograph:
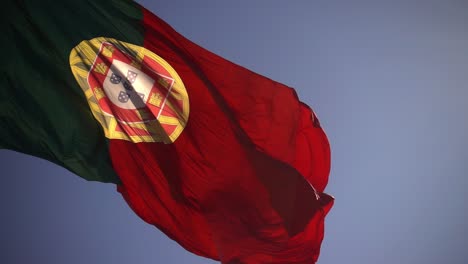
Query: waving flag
[226,162]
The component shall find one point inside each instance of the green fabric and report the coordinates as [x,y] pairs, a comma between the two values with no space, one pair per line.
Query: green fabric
[43,111]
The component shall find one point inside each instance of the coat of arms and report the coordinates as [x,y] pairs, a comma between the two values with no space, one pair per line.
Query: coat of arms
[133,93]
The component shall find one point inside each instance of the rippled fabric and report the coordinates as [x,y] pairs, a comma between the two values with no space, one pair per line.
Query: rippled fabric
[244,181]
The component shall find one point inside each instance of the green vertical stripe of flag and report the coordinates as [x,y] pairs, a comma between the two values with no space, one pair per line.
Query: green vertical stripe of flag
[43,111]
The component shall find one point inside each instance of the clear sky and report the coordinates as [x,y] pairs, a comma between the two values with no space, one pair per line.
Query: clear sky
[389,81]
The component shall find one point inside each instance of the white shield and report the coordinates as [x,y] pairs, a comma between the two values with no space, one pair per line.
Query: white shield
[132,91]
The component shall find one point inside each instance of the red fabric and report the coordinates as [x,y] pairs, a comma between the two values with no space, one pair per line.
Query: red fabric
[236,186]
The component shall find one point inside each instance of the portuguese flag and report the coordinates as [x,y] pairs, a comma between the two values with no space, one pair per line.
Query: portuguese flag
[226,162]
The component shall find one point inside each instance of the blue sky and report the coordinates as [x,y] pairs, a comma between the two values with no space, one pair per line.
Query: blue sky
[388,80]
